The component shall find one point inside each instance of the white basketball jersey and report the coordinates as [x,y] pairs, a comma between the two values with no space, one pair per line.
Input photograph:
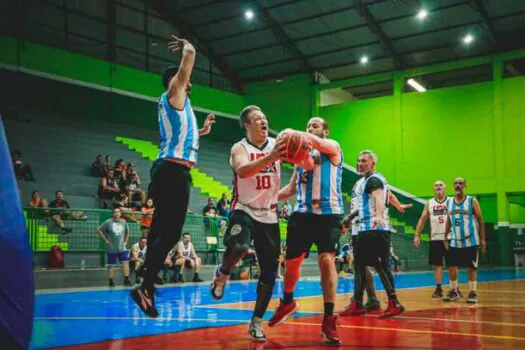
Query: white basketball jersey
[257,195]
[438,218]
[353,207]
[186,249]
[141,252]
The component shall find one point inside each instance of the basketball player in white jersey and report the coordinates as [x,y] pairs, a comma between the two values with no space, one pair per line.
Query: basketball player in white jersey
[170,174]
[317,218]
[467,235]
[187,256]
[435,209]
[256,165]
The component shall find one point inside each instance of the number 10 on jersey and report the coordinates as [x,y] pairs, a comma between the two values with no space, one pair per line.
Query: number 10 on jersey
[263,182]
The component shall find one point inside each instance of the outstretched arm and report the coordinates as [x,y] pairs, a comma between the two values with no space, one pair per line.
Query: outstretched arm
[396,204]
[177,87]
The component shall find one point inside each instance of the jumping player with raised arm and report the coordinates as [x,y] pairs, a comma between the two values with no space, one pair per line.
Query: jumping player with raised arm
[317,218]
[170,174]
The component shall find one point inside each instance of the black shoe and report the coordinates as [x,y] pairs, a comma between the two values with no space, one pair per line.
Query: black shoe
[66,230]
[196,278]
[111,283]
[472,298]
[145,300]
[438,293]
[159,281]
[459,293]
[179,280]
[452,295]
[127,283]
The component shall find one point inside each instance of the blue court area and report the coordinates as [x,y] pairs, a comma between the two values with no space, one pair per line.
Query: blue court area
[65,318]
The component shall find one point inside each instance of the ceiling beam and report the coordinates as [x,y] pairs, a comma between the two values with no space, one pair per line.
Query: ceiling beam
[281,35]
[199,6]
[189,31]
[375,28]
[487,21]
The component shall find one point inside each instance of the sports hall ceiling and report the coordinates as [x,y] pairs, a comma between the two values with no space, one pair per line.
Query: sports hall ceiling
[286,37]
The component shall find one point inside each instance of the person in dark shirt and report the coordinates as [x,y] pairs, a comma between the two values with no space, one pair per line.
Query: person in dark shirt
[22,171]
[97,167]
[208,207]
[224,206]
[108,190]
[58,216]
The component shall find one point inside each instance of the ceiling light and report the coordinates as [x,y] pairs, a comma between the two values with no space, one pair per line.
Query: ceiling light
[422,14]
[363,59]
[417,86]
[248,14]
[467,39]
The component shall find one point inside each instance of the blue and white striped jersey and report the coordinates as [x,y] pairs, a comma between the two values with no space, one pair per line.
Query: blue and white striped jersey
[179,132]
[464,225]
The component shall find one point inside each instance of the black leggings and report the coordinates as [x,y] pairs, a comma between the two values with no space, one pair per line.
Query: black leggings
[170,191]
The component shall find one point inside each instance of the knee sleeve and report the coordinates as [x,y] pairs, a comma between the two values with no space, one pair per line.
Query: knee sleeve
[239,248]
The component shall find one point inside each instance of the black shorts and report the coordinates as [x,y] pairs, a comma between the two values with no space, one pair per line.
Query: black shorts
[436,253]
[305,229]
[242,229]
[371,246]
[464,257]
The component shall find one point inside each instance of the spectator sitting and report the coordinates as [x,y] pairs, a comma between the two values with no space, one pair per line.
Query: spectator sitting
[98,168]
[147,215]
[119,171]
[115,233]
[182,255]
[210,221]
[208,207]
[132,189]
[22,171]
[286,210]
[59,215]
[108,190]
[138,256]
[38,202]
[107,164]
[345,256]
[122,202]
[224,206]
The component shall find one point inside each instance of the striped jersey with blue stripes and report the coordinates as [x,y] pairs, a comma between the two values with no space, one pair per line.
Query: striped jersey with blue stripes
[464,225]
[365,207]
[319,190]
[179,132]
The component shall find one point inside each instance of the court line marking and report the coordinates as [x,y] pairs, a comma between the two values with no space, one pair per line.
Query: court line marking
[410,330]
[299,323]
[119,318]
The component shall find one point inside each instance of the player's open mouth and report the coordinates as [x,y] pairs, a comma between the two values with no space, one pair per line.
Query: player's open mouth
[264,128]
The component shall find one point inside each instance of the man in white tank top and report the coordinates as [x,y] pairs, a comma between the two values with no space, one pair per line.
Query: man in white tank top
[256,165]
[436,210]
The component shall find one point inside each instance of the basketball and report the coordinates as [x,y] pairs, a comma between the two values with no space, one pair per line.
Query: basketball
[298,147]
[245,275]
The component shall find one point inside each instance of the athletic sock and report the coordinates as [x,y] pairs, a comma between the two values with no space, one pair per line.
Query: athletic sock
[472,285]
[288,298]
[328,309]
[454,285]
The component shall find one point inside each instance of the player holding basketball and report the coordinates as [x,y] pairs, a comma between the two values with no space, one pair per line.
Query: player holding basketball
[256,164]
[373,239]
[170,174]
[435,209]
[317,218]
[467,234]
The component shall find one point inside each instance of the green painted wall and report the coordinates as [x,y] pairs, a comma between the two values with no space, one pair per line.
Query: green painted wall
[517,214]
[286,103]
[26,54]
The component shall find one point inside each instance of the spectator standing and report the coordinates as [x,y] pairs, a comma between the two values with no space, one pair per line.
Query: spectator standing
[147,216]
[98,167]
[115,233]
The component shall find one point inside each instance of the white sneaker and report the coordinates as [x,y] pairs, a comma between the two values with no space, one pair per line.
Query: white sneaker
[218,283]
[255,330]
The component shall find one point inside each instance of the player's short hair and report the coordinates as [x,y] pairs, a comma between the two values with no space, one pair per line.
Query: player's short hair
[59,191]
[243,119]
[186,234]
[168,74]
[369,153]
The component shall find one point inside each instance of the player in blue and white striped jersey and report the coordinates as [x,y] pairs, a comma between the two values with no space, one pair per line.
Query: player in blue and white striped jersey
[170,174]
[467,235]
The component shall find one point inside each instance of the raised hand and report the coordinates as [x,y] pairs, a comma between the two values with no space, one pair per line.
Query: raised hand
[176,44]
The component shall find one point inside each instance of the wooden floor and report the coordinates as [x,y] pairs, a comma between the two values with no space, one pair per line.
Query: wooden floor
[191,320]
